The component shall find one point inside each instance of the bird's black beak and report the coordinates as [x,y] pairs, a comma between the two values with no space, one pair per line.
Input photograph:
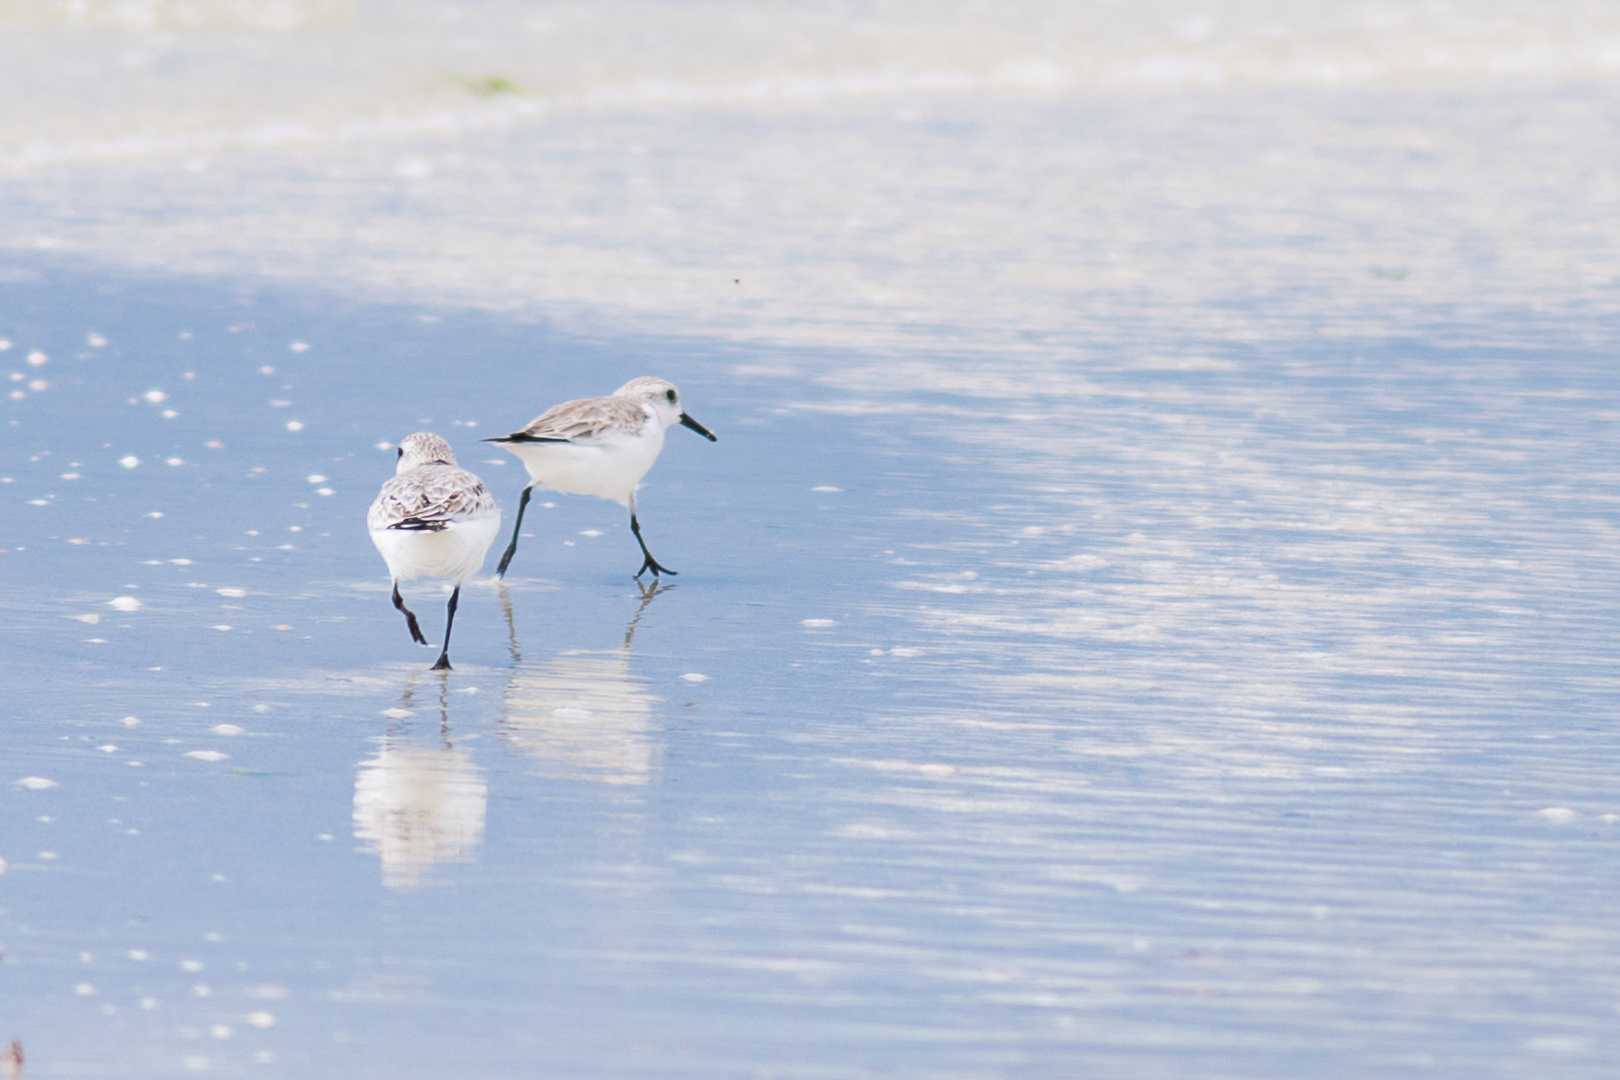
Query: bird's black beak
[687,421]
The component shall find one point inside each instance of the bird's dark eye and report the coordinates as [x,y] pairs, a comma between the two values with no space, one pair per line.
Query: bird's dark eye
[399,453]
[670,394]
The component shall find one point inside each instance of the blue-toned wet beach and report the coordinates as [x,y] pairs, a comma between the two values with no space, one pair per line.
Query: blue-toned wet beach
[1253,719]
[1149,615]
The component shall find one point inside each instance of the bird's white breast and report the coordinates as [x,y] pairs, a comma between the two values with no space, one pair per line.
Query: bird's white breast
[608,469]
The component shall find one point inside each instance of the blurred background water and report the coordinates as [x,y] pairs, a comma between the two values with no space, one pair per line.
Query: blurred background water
[1149,613]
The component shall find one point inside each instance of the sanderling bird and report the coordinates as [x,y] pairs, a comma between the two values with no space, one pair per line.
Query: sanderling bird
[432,520]
[599,446]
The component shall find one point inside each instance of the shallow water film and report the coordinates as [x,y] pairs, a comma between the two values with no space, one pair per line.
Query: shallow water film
[1150,611]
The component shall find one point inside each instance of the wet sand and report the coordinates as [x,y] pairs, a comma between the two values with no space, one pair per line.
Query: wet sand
[1247,718]
[1149,612]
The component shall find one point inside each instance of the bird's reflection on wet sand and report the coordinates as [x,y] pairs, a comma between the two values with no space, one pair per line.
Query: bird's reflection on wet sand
[421,799]
[582,715]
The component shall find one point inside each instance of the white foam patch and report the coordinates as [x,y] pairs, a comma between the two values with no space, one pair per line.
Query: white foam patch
[386,71]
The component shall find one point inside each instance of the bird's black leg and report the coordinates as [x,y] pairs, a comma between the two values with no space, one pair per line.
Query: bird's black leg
[511,549]
[647,561]
[449,621]
[410,617]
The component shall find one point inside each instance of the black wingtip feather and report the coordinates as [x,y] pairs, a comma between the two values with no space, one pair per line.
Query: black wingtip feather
[522,436]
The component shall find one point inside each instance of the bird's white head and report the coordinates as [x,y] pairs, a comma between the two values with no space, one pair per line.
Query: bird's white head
[663,399]
[423,448]
[658,395]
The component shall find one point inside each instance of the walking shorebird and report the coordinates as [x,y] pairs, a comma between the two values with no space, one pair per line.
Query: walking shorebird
[599,446]
[432,520]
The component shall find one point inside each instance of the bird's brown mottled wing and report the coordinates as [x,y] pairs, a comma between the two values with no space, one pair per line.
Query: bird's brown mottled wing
[430,497]
[587,421]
